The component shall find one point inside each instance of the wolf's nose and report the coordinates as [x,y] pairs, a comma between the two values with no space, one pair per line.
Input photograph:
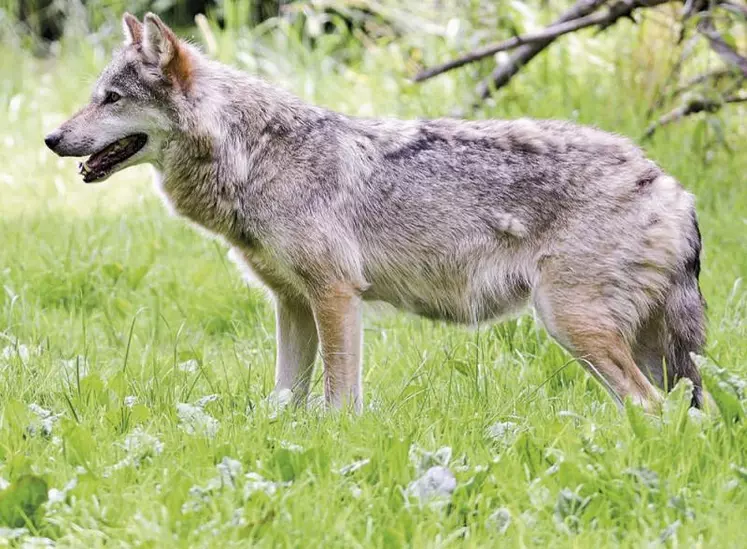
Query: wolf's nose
[53,139]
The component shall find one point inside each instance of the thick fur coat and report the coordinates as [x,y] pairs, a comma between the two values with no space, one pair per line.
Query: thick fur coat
[464,221]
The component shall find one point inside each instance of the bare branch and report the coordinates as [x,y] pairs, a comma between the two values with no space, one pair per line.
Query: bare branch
[557,29]
[693,106]
[714,75]
[719,45]
[524,54]
[549,33]
[504,72]
[734,8]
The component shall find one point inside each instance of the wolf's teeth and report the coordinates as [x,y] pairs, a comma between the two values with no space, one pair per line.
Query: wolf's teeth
[83,168]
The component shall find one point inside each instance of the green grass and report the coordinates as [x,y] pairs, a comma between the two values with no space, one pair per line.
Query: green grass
[106,297]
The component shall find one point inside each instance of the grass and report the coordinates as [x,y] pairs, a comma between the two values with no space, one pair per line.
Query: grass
[115,315]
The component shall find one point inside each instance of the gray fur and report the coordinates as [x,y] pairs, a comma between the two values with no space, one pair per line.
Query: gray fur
[464,221]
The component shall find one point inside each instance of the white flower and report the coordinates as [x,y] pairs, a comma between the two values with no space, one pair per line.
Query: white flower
[189,366]
[696,416]
[55,496]
[59,496]
[500,520]
[73,367]
[20,350]
[730,485]
[229,470]
[436,485]
[539,495]
[256,483]
[193,420]
[423,460]
[140,448]
[197,497]
[504,432]
[9,534]
[278,401]
[37,543]
[130,401]
[45,420]
[291,446]
[237,519]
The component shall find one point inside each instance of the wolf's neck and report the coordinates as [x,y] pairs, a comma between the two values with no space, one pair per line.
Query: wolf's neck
[228,103]
[226,151]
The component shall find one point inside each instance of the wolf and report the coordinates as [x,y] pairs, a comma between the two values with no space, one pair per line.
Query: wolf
[461,221]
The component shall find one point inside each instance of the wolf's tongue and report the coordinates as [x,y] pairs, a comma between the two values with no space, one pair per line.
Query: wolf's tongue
[105,156]
[98,164]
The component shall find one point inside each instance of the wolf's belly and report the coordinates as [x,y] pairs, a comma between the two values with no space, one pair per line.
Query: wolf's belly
[460,299]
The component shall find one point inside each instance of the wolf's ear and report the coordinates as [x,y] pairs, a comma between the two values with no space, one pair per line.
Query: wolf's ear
[162,47]
[133,29]
[159,42]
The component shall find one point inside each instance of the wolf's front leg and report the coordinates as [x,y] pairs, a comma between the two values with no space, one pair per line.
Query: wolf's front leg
[338,322]
[297,345]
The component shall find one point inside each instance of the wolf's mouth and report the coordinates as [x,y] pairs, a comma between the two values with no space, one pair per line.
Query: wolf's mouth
[101,164]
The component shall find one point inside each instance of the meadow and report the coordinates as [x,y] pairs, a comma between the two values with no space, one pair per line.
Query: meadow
[136,366]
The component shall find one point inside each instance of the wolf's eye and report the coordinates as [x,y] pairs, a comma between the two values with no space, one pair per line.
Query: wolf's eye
[111,97]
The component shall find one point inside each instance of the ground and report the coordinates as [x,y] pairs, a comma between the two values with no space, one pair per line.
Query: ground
[135,364]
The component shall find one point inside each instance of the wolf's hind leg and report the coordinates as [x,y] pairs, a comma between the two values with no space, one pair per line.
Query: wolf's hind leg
[664,342]
[648,352]
[297,345]
[338,320]
[590,333]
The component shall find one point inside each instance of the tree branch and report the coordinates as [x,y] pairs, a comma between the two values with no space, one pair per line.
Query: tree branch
[693,106]
[504,72]
[549,33]
[719,45]
[715,75]
[734,8]
[524,54]
[559,28]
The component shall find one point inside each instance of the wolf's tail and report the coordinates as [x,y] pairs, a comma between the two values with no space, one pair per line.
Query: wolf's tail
[684,317]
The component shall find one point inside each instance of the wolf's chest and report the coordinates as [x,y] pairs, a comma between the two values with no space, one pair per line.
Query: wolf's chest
[203,206]
[258,266]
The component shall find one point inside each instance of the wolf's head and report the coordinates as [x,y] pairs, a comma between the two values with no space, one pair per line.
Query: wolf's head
[132,111]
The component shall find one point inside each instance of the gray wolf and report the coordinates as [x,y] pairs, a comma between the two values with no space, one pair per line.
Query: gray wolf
[462,221]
